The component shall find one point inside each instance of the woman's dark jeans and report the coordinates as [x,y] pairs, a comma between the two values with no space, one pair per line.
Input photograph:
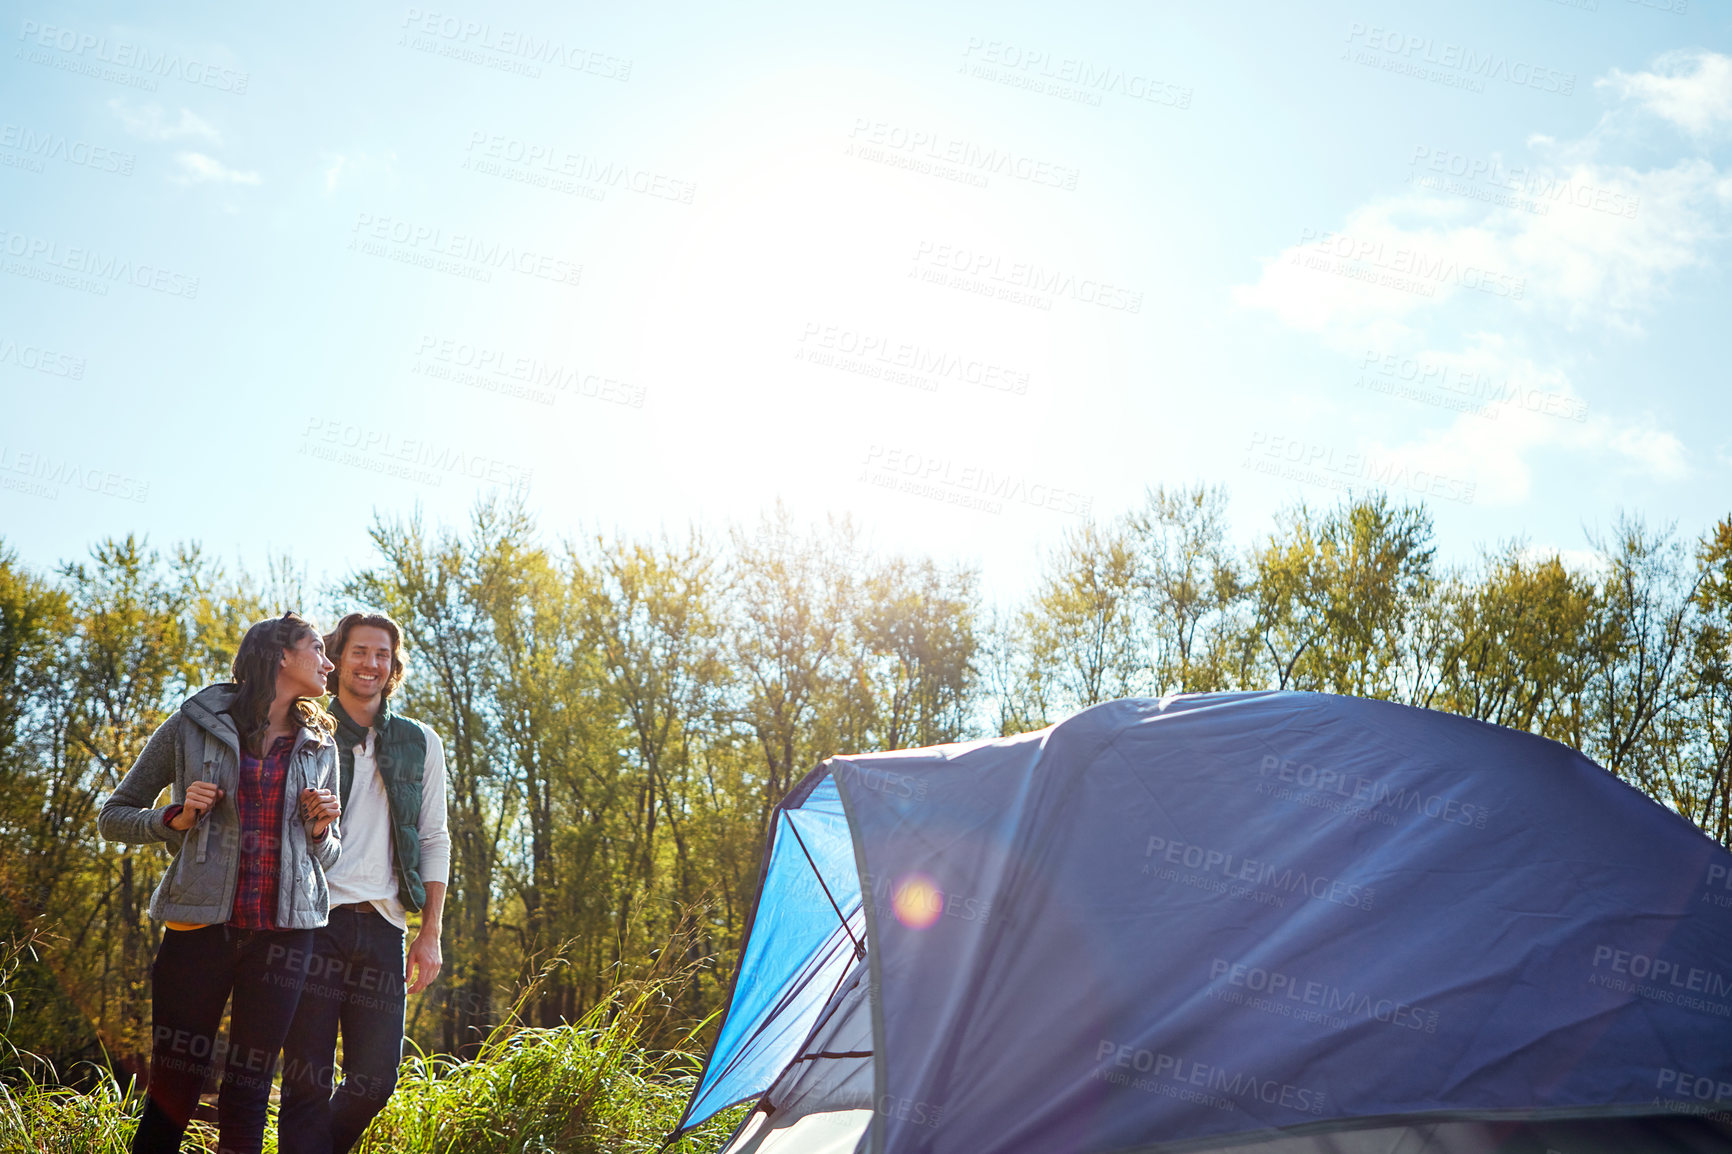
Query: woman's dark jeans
[194,975]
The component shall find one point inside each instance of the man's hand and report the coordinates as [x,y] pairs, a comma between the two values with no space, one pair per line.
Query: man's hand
[422,964]
[200,796]
[320,806]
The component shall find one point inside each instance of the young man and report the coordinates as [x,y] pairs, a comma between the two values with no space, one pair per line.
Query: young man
[396,859]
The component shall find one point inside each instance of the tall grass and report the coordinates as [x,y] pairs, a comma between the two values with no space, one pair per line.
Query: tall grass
[42,1118]
[586,1088]
[39,1115]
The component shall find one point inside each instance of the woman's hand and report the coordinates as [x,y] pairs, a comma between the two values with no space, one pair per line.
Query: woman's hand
[320,806]
[200,797]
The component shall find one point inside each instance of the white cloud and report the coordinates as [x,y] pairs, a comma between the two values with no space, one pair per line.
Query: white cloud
[1368,282]
[341,167]
[197,168]
[1590,243]
[1564,230]
[1612,242]
[1520,408]
[1655,451]
[1585,561]
[1559,236]
[1495,455]
[1692,89]
[150,122]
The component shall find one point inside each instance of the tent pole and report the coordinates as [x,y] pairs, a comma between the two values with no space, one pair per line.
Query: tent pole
[859,950]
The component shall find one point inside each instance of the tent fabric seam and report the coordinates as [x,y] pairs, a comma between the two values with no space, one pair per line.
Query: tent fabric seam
[874,972]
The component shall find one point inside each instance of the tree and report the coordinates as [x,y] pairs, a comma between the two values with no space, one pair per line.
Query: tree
[1638,638]
[1192,586]
[1516,638]
[1018,691]
[44,821]
[654,612]
[1693,753]
[791,599]
[1085,641]
[915,625]
[1336,594]
[131,658]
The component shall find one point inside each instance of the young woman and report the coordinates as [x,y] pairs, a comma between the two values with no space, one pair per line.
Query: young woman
[251,767]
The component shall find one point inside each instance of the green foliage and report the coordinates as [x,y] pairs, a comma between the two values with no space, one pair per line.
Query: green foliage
[44,1118]
[1193,587]
[38,1114]
[1514,643]
[1336,593]
[585,1088]
[1082,634]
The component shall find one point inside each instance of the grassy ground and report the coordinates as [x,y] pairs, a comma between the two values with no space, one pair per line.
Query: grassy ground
[545,1091]
[571,1090]
[588,1088]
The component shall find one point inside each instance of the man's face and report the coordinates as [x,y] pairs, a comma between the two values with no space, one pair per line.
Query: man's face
[364,666]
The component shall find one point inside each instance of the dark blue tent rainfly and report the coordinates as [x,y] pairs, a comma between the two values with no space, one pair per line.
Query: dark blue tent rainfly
[1287,923]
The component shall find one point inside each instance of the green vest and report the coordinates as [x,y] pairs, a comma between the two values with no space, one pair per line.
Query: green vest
[400,753]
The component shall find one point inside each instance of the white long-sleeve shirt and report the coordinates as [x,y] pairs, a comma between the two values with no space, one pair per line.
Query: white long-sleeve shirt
[366,872]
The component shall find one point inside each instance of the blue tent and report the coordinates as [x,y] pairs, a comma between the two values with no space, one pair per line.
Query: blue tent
[1272,922]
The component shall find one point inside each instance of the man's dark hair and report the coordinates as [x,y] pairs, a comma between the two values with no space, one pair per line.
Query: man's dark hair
[337,638]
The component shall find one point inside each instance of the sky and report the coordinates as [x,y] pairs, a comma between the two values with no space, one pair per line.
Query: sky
[968,275]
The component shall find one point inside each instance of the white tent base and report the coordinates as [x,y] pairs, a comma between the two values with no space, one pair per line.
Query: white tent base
[839,1132]
[827,1132]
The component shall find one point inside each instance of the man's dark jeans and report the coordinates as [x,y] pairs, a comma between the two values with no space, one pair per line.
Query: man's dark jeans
[194,973]
[354,983]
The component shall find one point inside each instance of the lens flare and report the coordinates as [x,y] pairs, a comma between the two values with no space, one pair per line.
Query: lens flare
[917,902]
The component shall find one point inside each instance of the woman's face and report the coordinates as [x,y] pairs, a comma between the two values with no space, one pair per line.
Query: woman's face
[304,667]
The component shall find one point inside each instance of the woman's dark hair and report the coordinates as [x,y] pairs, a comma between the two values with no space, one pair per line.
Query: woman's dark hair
[338,638]
[255,672]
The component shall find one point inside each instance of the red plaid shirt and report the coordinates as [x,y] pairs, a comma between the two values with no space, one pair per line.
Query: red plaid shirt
[260,801]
